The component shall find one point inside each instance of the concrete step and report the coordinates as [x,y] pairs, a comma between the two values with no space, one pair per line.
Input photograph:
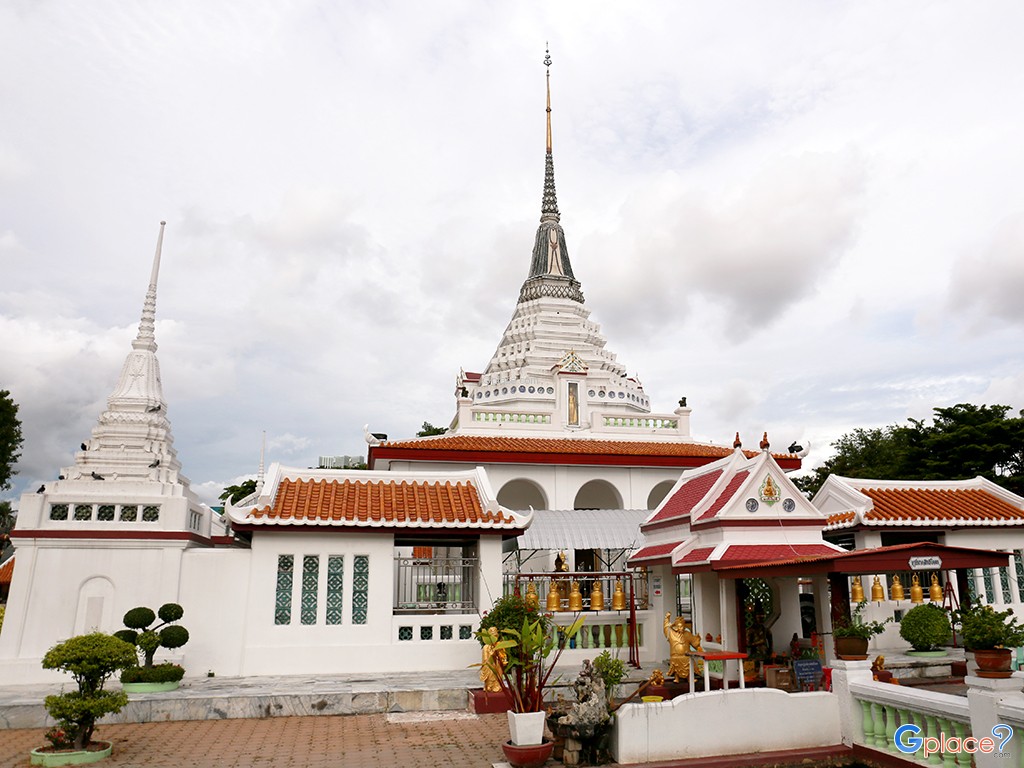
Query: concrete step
[225,698]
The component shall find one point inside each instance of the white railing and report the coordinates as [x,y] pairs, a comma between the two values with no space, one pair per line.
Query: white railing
[885,707]
[507,416]
[641,423]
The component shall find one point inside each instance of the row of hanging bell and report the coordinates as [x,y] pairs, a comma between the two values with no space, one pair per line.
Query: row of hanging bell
[896,591]
[554,599]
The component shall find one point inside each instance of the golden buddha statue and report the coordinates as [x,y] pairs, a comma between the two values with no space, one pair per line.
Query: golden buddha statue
[531,598]
[492,662]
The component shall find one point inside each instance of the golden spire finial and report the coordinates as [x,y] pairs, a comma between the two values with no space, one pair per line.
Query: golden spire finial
[547,63]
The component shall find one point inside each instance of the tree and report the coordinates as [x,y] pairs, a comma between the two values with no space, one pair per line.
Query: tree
[963,441]
[429,430]
[240,491]
[10,438]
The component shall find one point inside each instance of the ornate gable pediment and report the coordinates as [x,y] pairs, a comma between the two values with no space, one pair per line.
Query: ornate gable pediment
[572,363]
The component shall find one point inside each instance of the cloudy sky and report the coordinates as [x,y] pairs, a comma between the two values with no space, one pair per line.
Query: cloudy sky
[804,216]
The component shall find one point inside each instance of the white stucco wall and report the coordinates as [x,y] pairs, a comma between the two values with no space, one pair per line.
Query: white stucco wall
[725,722]
[215,596]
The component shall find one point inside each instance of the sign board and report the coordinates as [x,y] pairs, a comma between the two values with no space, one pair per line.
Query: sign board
[931,563]
[807,672]
[656,585]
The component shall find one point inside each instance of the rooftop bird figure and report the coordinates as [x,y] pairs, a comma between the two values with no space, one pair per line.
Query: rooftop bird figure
[794,447]
[156,463]
[765,445]
[154,409]
[737,443]
[42,489]
[96,476]
[85,447]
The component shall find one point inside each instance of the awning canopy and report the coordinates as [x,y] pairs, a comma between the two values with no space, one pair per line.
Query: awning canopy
[584,529]
[900,557]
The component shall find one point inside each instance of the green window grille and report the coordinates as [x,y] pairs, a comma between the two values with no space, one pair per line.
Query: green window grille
[283,602]
[1004,582]
[426,633]
[129,514]
[310,582]
[405,633]
[105,512]
[335,581]
[465,632]
[58,511]
[446,631]
[150,513]
[1019,570]
[990,595]
[972,586]
[83,511]
[360,588]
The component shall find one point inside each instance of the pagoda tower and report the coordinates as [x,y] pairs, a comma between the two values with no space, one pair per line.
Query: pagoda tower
[552,371]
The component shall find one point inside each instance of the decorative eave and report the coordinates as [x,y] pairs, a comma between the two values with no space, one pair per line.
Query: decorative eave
[378,501]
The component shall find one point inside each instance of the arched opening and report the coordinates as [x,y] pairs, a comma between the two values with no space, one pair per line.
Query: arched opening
[659,492]
[598,494]
[95,606]
[521,495]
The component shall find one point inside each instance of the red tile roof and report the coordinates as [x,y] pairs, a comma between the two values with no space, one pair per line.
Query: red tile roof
[382,504]
[503,444]
[686,497]
[762,553]
[696,555]
[653,552]
[723,498]
[7,571]
[893,506]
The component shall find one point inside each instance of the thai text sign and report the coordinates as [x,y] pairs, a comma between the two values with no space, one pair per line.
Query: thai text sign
[932,563]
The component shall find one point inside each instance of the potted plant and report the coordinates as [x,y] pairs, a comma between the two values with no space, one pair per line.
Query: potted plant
[144,635]
[926,627]
[90,660]
[991,635]
[523,676]
[851,635]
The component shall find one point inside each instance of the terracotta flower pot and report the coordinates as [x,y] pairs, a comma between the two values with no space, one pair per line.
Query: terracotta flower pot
[851,648]
[994,662]
[530,756]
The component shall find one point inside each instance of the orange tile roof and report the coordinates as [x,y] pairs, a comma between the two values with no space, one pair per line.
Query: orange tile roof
[503,444]
[893,506]
[7,571]
[379,504]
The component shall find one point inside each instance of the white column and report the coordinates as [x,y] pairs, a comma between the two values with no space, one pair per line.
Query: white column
[851,716]
[996,598]
[984,697]
[1011,575]
[979,585]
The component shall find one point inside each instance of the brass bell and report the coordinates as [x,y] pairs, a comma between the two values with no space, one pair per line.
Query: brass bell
[597,597]
[935,593]
[916,593]
[877,591]
[896,590]
[618,597]
[857,590]
[554,598]
[575,598]
[531,599]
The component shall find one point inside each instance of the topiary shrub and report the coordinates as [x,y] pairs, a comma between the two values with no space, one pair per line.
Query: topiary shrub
[508,612]
[158,673]
[144,634]
[926,627]
[90,660]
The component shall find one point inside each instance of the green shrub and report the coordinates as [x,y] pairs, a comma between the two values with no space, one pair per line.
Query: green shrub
[984,628]
[158,673]
[926,627]
[508,612]
[611,669]
[90,660]
[152,637]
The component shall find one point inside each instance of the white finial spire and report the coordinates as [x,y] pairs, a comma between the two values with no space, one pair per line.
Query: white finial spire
[262,470]
[146,338]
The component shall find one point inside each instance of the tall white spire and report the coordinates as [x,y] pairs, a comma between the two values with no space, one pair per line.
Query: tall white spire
[132,438]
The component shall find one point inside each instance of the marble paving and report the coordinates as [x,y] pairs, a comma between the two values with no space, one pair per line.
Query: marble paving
[226,698]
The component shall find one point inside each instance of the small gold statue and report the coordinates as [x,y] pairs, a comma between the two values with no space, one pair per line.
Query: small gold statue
[681,641]
[493,662]
[531,598]
[657,678]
